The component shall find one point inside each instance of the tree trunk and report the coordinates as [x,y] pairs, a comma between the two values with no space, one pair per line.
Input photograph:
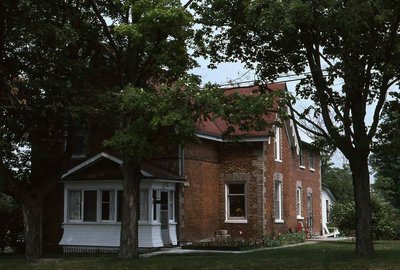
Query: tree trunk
[364,240]
[132,175]
[32,209]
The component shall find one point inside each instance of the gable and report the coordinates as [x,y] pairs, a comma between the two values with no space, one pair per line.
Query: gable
[107,167]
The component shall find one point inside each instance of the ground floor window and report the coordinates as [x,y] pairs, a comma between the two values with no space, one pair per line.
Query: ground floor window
[298,202]
[278,201]
[83,205]
[75,205]
[107,205]
[144,205]
[236,202]
[328,211]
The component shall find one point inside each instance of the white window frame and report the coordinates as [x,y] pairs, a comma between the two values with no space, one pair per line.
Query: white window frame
[301,159]
[146,201]
[278,144]
[229,219]
[99,200]
[311,160]
[299,203]
[171,205]
[100,206]
[279,202]
[68,205]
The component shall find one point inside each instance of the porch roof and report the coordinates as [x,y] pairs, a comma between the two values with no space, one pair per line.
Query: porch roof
[104,166]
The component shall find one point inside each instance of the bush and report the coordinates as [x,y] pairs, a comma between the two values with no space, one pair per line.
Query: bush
[385,218]
[11,225]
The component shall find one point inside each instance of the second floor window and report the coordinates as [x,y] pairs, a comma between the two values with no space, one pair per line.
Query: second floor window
[301,158]
[277,145]
[311,160]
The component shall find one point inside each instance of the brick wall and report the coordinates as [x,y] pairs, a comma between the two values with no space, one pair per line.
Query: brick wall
[293,176]
[243,163]
[209,166]
[200,200]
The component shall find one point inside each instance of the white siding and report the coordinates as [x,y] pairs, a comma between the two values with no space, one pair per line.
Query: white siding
[108,235]
[325,197]
[105,235]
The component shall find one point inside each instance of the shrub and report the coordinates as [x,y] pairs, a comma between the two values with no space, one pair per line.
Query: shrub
[385,219]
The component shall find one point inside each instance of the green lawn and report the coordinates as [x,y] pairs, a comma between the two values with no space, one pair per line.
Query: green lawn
[326,255]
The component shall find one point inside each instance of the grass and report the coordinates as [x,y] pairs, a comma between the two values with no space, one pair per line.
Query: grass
[323,255]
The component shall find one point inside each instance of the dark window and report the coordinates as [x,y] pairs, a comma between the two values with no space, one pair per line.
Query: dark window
[107,204]
[119,205]
[90,205]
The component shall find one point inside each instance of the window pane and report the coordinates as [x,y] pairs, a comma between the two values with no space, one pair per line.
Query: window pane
[107,204]
[237,206]
[90,205]
[155,201]
[119,205]
[75,205]
[236,189]
[277,200]
[171,209]
[311,160]
[144,211]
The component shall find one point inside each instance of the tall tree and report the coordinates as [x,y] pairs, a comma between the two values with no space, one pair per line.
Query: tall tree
[147,43]
[46,49]
[351,49]
[386,154]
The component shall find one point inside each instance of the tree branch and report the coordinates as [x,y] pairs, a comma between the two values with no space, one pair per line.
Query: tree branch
[109,37]
[188,3]
[323,132]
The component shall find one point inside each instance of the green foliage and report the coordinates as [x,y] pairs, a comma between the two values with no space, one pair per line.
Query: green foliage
[386,158]
[11,225]
[339,181]
[385,218]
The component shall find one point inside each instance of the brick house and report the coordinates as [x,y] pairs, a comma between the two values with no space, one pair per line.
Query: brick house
[261,185]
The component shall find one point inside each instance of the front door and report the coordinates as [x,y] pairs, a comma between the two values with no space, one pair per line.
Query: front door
[164,218]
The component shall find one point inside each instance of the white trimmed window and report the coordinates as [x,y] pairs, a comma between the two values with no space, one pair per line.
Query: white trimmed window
[144,205]
[298,203]
[311,160]
[108,205]
[278,201]
[171,206]
[119,205]
[75,205]
[94,205]
[90,205]
[235,202]
[277,144]
[301,158]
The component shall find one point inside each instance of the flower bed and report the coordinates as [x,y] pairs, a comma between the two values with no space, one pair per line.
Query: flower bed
[237,243]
